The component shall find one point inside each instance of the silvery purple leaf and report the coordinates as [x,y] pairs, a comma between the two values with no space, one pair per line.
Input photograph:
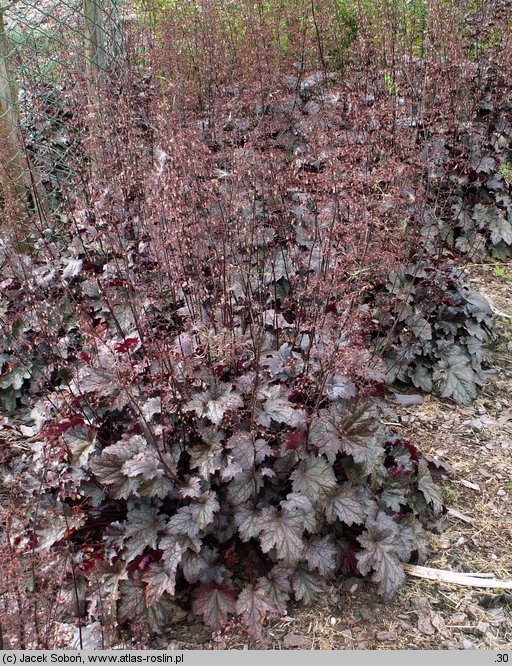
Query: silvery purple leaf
[308,587]
[282,531]
[314,477]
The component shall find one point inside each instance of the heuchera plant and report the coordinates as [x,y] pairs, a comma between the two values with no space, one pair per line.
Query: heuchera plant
[477,217]
[192,352]
[203,431]
[437,331]
[241,517]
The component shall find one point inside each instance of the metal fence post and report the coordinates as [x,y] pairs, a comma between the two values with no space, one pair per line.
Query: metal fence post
[95,36]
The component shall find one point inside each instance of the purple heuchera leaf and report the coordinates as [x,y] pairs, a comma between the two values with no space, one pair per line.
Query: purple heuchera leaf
[283,363]
[383,548]
[101,381]
[142,527]
[324,435]
[314,477]
[308,587]
[151,407]
[183,522]
[254,604]
[277,585]
[174,546]
[214,603]
[339,387]
[346,505]
[245,452]
[297,502]
[242,449]
[362,437]
[109,465]
[246,520]
[356,432]
[145,465]
[244,486]
[303,507]
[81,440]
[276,407]
[295,440]
[323,554]
[207,457]
[160,486]
[160,577]
[111,576]
[132,606]
[428,488]
[282,531]
[200,565]
[192,489]
[215,402]
[203,510]
[454,378]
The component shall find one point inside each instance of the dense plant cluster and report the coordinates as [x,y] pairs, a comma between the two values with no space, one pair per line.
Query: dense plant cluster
[477,220]
[437,331]
[251,247]
[206,409]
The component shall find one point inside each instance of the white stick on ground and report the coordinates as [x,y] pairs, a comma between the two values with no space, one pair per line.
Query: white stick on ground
[457,578]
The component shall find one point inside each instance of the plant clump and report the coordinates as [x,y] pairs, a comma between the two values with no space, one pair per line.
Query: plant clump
[195,352]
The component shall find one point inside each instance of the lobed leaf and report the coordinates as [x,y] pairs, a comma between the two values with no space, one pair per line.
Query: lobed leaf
[215,603]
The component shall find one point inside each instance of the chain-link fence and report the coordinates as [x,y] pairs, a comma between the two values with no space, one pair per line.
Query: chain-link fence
[51,52]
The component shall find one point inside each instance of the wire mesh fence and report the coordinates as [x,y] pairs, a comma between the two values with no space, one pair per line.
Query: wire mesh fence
[48,50]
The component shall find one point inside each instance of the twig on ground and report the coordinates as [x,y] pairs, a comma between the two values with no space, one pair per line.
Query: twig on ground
[458,578]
